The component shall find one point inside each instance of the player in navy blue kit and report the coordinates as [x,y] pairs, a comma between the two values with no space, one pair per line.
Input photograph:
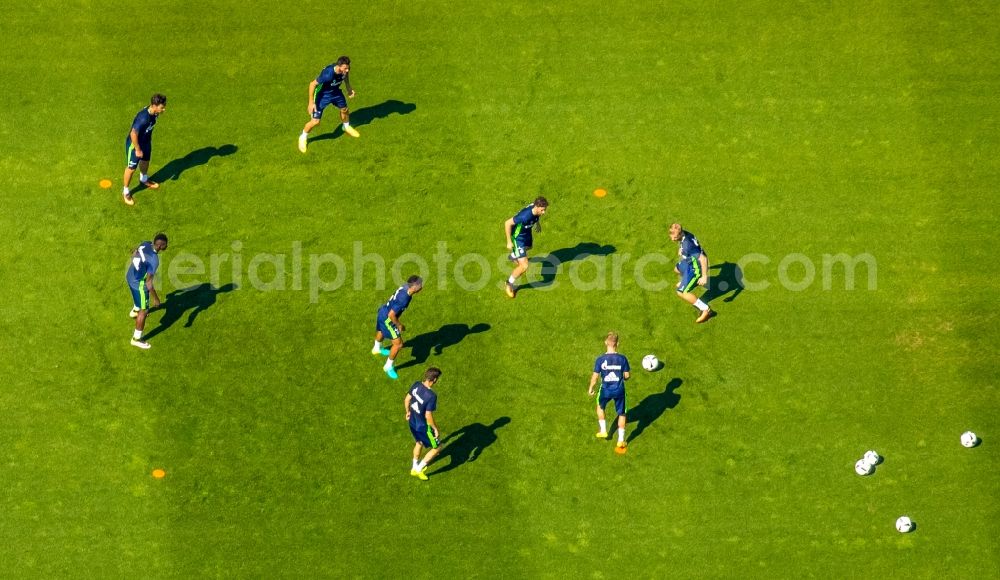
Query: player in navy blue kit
[388,326]
[324,90]
[612,369]
[141,269]
[139,146]
[420,404]
[692,269]
[517,230]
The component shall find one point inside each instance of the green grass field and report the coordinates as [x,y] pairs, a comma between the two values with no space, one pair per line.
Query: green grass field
[782,131]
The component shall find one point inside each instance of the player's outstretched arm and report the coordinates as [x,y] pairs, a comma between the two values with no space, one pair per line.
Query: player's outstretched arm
[135,143]
[406,405]
[395,320]
[703,260]
[347,85]
[430,421]
[152,292]
[593,383]
[507,227]
[311,107]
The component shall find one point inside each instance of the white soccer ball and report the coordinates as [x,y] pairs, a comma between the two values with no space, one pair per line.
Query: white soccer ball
[872,457]
[969,439]
[862,467]
[650,362]
[904,525]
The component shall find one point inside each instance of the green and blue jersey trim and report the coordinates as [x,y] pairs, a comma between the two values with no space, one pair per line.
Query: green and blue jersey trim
[392,329]
[696,265]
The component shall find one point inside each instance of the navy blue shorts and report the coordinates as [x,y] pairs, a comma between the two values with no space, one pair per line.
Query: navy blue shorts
[619,399]
[335,98]
[385,325]
[140,297]
[690,271]
[518,252]
[131,159]
[424,435]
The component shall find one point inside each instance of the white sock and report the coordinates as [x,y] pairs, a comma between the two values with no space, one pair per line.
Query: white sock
[125,191]
[378,345]
[143,177]
[415,464]
[511,280]
[700,305]
[304,134]
[422,465]
[388,363]
[621,435]
[347,125]
[137,335]
[604,425]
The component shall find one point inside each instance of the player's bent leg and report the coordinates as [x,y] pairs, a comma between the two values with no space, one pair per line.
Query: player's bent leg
[144,175]
[602,432]
[304,136]
[377,347]
[126,181]
[620,409]
[140,324]
[522,266]
[345,116]
[687,297]
[397,345]
[704,311]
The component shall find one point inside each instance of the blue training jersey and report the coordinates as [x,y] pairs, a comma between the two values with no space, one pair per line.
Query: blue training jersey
[612,368]
[329,80]
[143,125]
[397,302]
[690,248]
[144,263]
[524,221]
[422,399]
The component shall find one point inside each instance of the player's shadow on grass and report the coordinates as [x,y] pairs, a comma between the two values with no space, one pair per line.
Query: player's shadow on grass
[196,299]
[175,168]
[552,261]
[468,443]
[438,340]
[366,115]
[729,278]
[652,407]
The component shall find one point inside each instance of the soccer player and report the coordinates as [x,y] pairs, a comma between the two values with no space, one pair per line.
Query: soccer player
[517,230]
[139,146]
[141,269]
[612,369]
[692,269]
[387,324]
[420,404]
[324,90]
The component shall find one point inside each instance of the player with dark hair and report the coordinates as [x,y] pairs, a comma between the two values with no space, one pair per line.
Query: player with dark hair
[141,270]
[517,231]
[387,324]
[613,370]
[692,270]
[420,404]
[324,90]
[139,146]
